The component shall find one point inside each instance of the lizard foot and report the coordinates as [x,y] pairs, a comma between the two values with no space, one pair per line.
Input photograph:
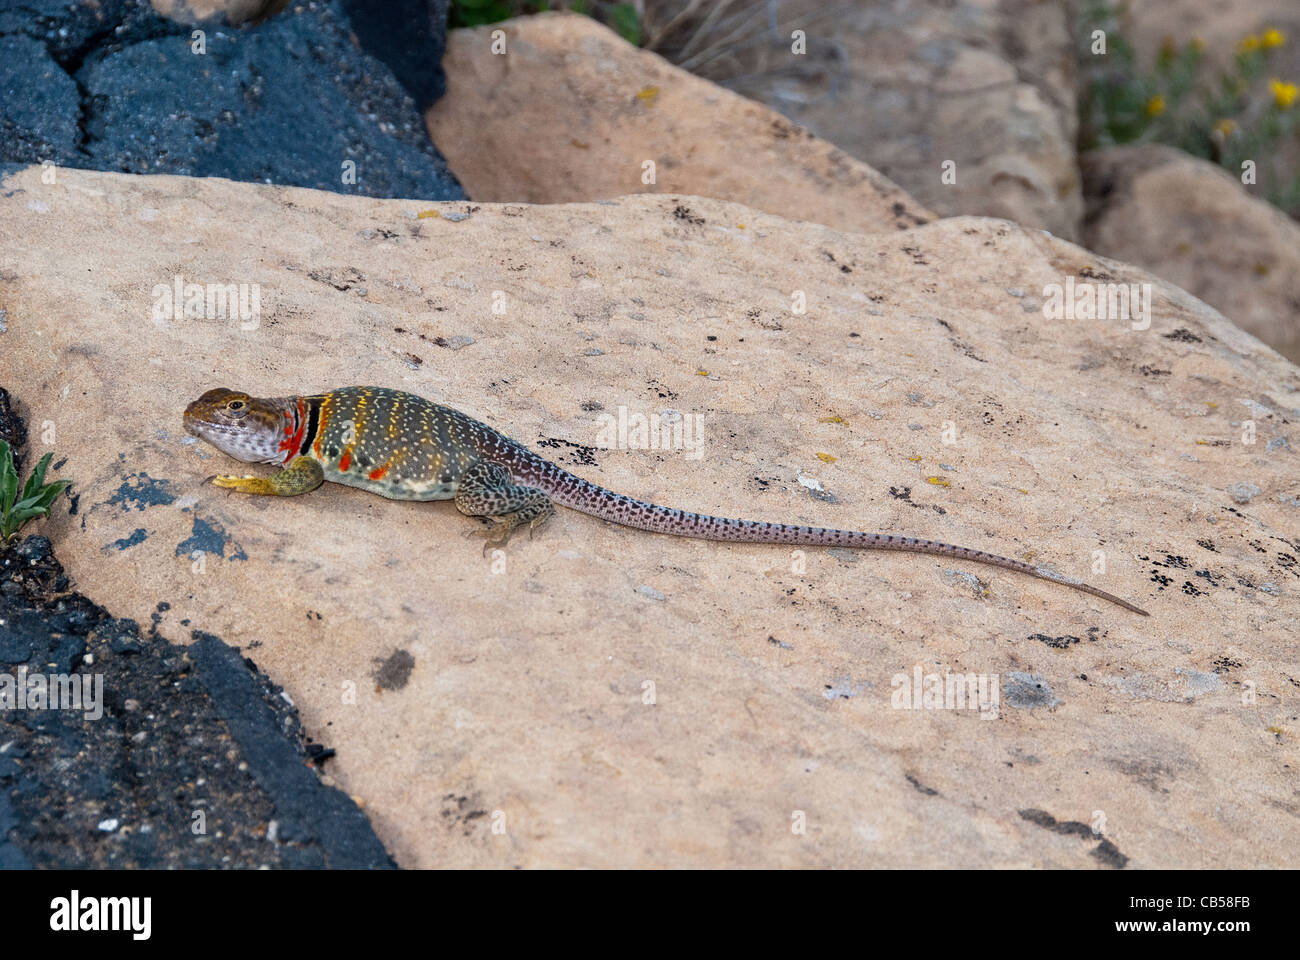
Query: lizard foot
[247,484]
[497,533]
[301,476]
[502,528]
[540,519]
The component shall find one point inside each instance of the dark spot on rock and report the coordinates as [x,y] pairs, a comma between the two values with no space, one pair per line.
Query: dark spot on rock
[318,753]
[577,453]
[1091,274]
[1225,664]
[141,491]
[1027,691]
[1106,851]
[1109,854]
[460,810]
[921,788]
[684,213]
[209,537]
[138,535]
[1060,643]
[394,672]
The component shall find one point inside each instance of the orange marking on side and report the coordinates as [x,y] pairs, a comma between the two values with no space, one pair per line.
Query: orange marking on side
[378,472]
[345,461]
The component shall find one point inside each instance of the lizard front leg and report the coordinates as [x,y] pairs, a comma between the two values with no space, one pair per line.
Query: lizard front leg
[302,476]
[486,490]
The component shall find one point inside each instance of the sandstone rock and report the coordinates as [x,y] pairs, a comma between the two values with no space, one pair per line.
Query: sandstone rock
[604,696]
[573,112]
[1192,223]
[227,11]
[987,86]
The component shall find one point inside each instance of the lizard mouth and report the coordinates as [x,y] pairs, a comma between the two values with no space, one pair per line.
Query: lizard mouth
[196,426]
[193,425]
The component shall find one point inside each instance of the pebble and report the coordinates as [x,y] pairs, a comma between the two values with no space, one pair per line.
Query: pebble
[1243,492]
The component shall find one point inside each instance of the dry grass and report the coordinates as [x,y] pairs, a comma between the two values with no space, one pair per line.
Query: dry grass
[738,43]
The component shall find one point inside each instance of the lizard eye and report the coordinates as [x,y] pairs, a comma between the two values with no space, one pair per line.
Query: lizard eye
[236,407]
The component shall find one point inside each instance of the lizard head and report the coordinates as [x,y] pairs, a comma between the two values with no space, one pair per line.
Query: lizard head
[247,428]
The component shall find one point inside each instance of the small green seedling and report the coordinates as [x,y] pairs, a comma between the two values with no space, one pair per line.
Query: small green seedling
[37,496]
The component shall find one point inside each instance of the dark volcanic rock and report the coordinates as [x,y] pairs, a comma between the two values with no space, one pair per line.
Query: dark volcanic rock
[409,36]
[170,756]
[293,100]
[41,106]
[12,428]
[73,30]
[190,757]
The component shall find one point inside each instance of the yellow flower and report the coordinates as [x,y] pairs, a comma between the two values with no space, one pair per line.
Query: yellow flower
[1155,106]
[1198,44]
[1273,37]
[1226,127]
[1249,44]
[1284,94]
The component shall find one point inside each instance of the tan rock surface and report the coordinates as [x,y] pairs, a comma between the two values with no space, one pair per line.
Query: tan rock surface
[520,700]
[232,11]
[572,112]
[985,85]
[1192,223]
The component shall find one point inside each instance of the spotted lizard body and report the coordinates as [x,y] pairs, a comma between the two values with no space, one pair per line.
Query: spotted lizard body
[404,447]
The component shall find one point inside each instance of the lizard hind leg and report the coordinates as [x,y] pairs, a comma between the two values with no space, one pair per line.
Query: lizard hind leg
[486,490]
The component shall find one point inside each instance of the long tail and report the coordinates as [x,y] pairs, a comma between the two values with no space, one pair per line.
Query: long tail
[578,494]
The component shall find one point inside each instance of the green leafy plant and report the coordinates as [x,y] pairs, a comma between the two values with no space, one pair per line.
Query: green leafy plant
[621,17]
[624,19]
[35,500]
[1230,116]
[475,13]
